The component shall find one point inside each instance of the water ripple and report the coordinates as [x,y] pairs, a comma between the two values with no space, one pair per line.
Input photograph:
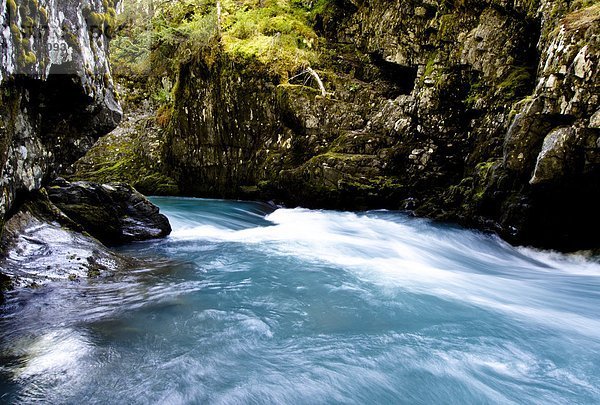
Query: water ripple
[248,304]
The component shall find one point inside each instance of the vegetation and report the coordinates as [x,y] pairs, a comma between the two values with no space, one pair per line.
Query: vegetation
[131,154]
[154,39]
[278,33]
[517,83]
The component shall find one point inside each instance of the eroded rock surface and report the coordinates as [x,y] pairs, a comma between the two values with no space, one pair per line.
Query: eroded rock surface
[56,91]
[41,244]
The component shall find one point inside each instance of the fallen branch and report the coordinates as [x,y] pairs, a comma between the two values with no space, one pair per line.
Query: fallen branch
[314,74]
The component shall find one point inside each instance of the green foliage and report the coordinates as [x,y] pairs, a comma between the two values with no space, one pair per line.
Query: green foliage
[132,40]
[277,34]
[580,4]
[156,40]
[30,58]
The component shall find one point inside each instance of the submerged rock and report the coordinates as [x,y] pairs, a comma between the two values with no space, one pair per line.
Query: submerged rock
[114,213]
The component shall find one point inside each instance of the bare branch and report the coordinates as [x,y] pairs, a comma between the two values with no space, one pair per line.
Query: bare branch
[318,80]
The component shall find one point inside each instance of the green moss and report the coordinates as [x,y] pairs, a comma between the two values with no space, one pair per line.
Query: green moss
[581,4]
[126,158]
[278,34]
[110,18]
[429,68]
[95,20]
[516,83]
[30,58]
[12,9]
[43,16]
[15,31]
[483,177]
[101,22]
[518,107]
[29,22]
[449,25]
[71,39]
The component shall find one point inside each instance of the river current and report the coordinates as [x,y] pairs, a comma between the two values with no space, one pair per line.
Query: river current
[247,304]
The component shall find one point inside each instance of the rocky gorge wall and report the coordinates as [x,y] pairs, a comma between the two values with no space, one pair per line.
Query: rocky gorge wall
[482,112]
[56,100]
[56,91]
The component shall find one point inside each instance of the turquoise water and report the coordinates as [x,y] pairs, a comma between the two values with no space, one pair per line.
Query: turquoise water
[243,304]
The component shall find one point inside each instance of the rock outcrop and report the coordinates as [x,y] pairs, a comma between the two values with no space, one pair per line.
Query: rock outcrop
[56,99]
[56,91]
[62,232]
[132,153]
[113,213]
[41,244]
[483,112]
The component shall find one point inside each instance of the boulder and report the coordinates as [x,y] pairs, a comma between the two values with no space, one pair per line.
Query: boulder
[56,91]
[115,213]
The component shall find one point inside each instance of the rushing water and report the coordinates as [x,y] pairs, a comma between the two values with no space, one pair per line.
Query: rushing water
[245,305]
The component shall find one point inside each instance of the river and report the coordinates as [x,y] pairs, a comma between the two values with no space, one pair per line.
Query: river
[247,304]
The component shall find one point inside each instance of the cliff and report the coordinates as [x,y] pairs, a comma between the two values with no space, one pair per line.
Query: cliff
[481,112]
[56,99]
[56,91]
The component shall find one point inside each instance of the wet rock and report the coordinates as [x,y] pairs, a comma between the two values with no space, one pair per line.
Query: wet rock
[40,244]
[554,160]
[114,213]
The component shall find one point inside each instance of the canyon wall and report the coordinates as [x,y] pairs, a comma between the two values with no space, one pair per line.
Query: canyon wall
[482,112]
[56,91]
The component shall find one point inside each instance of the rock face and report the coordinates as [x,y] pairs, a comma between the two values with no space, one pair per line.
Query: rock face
[113,213]
[484,112]
[132,153]
[56,91]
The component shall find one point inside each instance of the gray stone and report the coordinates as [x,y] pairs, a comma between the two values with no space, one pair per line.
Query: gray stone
[56,90]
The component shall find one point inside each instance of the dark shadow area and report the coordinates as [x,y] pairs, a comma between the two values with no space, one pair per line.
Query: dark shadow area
[400,78]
